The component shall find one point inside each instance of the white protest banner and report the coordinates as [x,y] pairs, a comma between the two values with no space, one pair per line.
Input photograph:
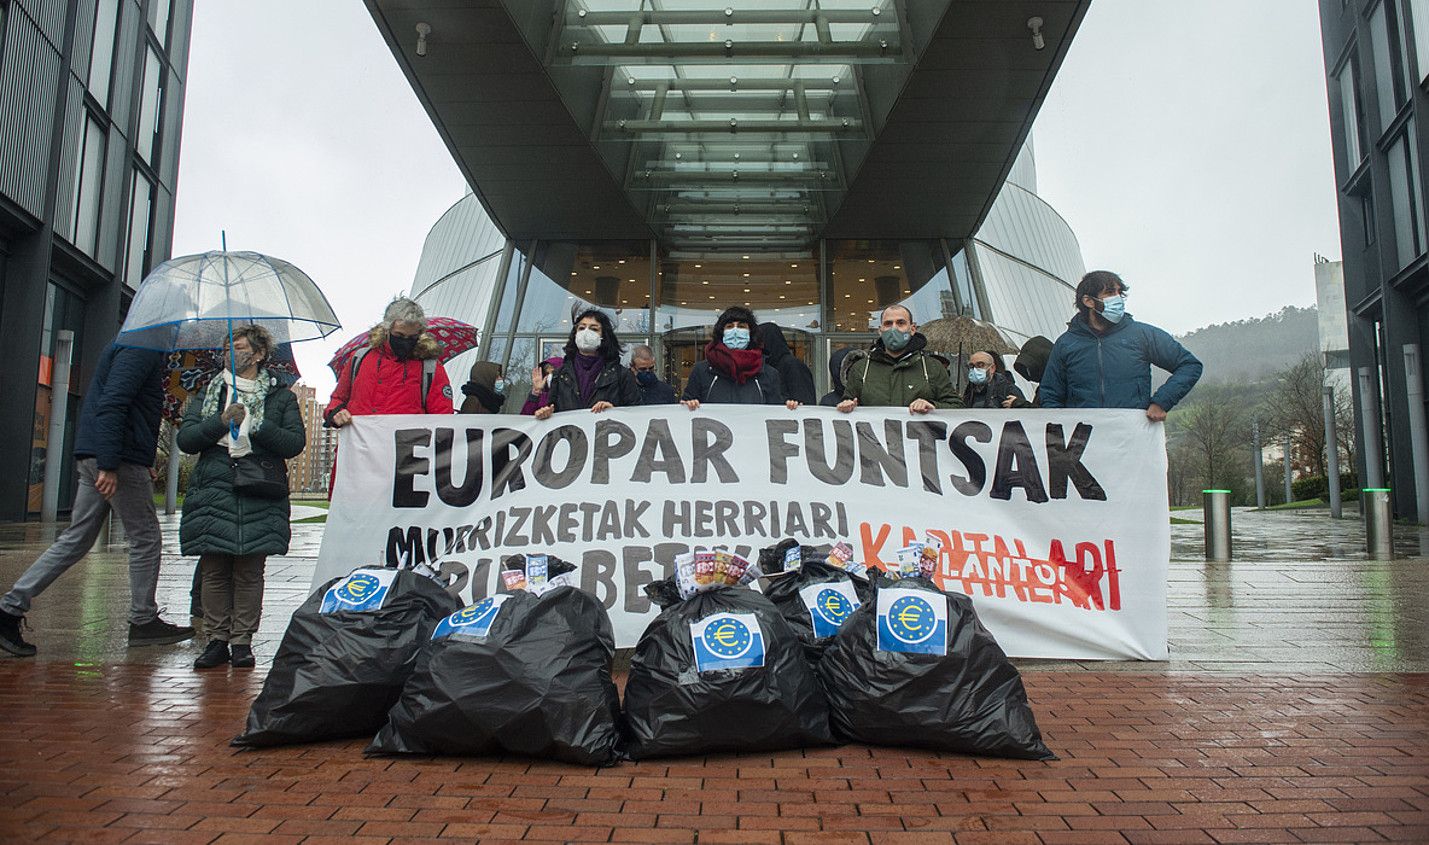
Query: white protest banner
[1054,522]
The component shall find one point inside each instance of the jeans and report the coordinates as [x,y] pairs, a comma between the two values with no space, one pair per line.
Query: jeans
[133,501]
[232,596]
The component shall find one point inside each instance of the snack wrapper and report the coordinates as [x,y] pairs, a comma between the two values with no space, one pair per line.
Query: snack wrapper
[704,568]
[514,579]
[537,571]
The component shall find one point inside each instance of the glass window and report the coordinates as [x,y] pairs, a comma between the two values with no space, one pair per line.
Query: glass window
[963,284]
[88,185]
[693,291]
[141,199]
[1350,112]
[1419,23]
[867,276]
[149,106]
[1405,199]
[101,54]
[159,19]
[567,277]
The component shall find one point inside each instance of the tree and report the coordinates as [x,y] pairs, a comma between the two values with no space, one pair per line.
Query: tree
[1211,442]
[1296,406]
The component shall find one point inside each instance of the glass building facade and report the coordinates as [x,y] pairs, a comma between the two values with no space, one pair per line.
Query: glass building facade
[1377,75]
[1018,272]
[91,100]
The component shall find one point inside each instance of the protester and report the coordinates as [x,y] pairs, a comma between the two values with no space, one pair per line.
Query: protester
[898,371]
[485,389]
[398,373]
[540,395]
[1030,364]
[1088,369]
[591,375]
[114,449]
[233,530]
[734,371]
[839,364]
[652,390]
[989,386]
[794,375]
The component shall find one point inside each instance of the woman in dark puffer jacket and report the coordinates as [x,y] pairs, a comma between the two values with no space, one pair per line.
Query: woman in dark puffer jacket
[233,533]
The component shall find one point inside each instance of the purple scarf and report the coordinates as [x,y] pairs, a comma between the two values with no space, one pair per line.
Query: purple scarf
[587,367]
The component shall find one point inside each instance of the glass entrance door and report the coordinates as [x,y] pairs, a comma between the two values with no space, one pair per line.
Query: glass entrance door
[681,348]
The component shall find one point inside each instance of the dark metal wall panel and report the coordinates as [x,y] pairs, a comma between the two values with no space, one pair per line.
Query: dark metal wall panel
[29,79]
[126,62]
[69,162]
[114,206]
[49,16]
[83,54]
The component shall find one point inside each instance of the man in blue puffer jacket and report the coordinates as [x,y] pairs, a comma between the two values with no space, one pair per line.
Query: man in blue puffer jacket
[1104,358]
[114,449]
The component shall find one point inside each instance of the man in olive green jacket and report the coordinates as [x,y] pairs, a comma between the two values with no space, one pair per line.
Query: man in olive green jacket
[898,372]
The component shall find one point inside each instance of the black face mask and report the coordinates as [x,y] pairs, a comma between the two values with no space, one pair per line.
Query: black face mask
[402,347]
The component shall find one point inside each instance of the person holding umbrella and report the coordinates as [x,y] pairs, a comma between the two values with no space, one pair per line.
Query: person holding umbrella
[398,373]
[232,526]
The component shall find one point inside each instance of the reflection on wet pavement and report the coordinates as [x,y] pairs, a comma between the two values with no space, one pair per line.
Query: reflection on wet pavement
[1299,597]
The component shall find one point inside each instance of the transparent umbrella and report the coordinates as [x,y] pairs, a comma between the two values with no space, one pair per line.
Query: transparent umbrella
[194,301]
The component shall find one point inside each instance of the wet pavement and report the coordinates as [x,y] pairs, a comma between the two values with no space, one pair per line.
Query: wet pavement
[1294,708]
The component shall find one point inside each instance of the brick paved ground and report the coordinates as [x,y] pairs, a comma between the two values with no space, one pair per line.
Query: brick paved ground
[1259,729]
[136,754]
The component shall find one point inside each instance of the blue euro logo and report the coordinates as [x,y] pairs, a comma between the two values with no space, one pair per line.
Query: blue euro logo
[358,588]
[833,606]
[911,619]
[728,637]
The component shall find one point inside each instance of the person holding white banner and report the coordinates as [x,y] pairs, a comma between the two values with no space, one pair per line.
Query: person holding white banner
[734,371]
[591,375]
[898,371]
[1104,358]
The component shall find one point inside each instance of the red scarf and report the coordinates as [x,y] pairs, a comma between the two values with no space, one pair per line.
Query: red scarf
[738,364]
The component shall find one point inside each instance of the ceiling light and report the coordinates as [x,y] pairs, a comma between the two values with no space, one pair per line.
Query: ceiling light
[746,275]
[573,272]
[622,261]
[705,282]
[697,266]
[788,281]
[1038,42]
[745,257]
[795,266]
[596,267]
[897,266]
[746,290]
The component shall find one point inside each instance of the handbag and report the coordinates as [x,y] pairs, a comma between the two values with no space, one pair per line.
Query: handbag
[262,476]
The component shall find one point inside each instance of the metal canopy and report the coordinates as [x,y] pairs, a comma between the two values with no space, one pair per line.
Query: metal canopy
[731,126]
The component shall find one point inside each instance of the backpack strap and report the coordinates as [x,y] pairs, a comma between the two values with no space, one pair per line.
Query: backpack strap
[356,361]
[429,374]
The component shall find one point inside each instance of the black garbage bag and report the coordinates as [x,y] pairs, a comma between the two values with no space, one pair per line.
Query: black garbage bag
[345,656]
[517,674]
[914,667]
[720,671]
[815,599]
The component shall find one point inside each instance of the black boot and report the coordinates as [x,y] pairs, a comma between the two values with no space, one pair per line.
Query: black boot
[243,657]
[215,655]
[10,638]
[158,632]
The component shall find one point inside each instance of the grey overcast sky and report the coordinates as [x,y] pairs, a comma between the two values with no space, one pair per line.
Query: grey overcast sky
[1185,141]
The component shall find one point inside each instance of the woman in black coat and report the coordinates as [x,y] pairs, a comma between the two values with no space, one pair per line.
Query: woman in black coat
[591,375]
[794,375]
[734,371]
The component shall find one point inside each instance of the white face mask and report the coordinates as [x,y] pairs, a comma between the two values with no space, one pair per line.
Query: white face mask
[587,340]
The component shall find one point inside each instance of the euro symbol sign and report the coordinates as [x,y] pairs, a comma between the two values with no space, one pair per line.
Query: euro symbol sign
[726,635]
[909,618]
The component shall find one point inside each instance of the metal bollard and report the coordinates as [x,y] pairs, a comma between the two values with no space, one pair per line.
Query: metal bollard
[1378,522]
[1217,508]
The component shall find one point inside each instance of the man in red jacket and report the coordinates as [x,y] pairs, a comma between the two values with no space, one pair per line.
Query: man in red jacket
[398,373]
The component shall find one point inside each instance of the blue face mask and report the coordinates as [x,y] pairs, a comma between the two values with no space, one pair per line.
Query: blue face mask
[977,376]
[1113,308]
[647,378]
[736,338]
[500,387]
[894,340]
